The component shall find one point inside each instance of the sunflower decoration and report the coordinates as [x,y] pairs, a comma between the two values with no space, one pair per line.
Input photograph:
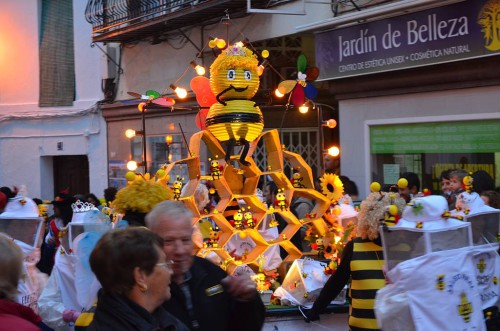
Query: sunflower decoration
[332,187]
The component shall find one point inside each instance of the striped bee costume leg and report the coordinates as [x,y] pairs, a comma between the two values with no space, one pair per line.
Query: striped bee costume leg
[367,277]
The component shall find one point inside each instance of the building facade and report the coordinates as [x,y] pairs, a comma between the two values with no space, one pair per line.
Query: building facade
[52,133]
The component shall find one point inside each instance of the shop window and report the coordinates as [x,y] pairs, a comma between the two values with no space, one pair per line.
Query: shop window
[427,149]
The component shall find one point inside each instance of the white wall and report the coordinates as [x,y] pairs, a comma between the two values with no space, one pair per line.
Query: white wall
[355,117]
[155,67]
[28,133]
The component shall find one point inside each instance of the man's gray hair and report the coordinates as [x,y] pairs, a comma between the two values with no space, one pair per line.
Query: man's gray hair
[170,210]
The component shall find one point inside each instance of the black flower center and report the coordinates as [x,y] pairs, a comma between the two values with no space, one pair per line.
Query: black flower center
[330,187]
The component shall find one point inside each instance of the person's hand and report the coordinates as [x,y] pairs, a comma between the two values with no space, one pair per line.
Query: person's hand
[241,288]
[70,315]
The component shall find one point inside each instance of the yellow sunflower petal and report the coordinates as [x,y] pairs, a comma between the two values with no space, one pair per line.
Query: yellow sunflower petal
[332,187]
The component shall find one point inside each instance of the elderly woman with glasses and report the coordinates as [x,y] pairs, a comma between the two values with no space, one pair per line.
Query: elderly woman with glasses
[135,278]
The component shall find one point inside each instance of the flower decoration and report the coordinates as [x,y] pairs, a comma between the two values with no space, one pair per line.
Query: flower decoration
[332,187]
[141,195]
[301,88]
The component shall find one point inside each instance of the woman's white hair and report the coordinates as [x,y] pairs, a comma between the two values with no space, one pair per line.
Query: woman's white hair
[169,209]
[11,264]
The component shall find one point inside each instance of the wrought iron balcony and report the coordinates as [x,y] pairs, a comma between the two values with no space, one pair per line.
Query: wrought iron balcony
[132,20]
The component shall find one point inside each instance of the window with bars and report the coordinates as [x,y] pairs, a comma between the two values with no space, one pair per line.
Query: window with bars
[303,141]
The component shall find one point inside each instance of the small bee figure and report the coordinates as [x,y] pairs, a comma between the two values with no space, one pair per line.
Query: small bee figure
[481,265]
[177,187]
[391,215]
[213,240]
[248,216]
[238,220]
[215,168]
[495,280]
[440,282]
[320,247]
[273,223]
[281,199]
[297,180]
[419,225]
[306,295]
[467,183]
[464,308]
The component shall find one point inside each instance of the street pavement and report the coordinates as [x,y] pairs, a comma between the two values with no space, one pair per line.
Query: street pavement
[332,321]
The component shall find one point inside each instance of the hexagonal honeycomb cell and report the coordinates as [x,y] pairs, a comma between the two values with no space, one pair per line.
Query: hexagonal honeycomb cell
[235,182]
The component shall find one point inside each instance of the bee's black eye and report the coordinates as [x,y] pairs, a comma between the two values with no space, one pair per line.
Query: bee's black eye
[231,74]
[248,75]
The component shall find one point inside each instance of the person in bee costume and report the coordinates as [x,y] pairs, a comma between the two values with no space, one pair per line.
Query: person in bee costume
[361,261]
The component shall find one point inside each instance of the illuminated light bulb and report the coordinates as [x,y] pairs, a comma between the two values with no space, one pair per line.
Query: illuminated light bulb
[337,239]
[278,93]
[142,106]
[260,70]
[334,151]
[212,43]
[131,165]
[181,92]
[221,43]
[130,133]
[304,109]
[169,139]
[200,70]
[331,123]
[265,54]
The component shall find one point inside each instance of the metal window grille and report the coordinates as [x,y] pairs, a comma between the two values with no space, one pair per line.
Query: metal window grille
[303,141]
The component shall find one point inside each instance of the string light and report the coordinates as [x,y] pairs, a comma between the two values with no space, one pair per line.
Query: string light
[304,108]
[181,92]
[331,123]
[132,165]
[200,70]
[333,151]
[278,93]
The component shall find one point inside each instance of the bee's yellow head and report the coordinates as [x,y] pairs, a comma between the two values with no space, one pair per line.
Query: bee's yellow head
[236,66]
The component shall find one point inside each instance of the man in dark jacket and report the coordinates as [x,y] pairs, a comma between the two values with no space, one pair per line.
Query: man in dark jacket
[203,297]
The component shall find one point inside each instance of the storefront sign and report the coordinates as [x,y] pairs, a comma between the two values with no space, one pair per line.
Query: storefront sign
[455,32]
[442,137]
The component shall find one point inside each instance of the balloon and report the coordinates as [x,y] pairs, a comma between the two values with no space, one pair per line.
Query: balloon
[287,86]
[312,73]
[310,91]
[298,96]
[201,87]
[152,93]
[302,63]
[164,101]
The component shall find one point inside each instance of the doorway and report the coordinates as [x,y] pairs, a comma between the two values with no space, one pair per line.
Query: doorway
[71,172]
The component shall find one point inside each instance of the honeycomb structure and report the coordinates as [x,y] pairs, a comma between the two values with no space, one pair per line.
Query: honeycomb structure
[239,182]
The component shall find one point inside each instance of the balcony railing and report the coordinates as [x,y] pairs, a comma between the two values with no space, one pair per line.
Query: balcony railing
[131,20]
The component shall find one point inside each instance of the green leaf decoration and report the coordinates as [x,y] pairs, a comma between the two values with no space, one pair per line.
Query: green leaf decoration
[153,93]
[418,208]
[302,63]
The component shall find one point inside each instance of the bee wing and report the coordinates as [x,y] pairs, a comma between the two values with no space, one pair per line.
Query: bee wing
[201,87]
[200,118]
[287,86]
